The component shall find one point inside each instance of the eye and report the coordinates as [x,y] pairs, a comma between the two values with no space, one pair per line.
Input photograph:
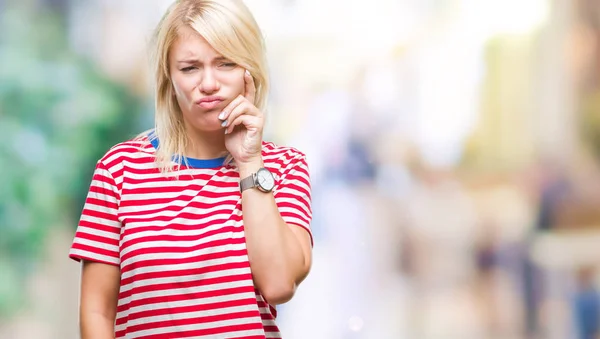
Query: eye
[228,65]
[188,69]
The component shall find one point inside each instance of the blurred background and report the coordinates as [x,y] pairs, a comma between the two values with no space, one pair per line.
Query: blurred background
[454,148]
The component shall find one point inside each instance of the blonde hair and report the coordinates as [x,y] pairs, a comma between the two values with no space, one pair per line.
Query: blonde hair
[229,27]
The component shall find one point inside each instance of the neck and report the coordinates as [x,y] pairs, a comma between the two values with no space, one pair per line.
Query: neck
[205,145]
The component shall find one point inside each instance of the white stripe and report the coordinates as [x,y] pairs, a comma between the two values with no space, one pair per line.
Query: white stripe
[101,221]
[200,326]
[297,182]
[294,220]
[178,243]
[93,256]
[156,255]
[268,322]
[192,220]
[224,192]
[102,208]
[294,211]
[191,291]
[153,181]
[178,267]
[192,231]
[96,232]
[294,202]
[174,304]
[96,244]
[272,335]
[182,221]
[226,200]
[186,315]
[101,196]
[174,268]
[225,209]
[125,150]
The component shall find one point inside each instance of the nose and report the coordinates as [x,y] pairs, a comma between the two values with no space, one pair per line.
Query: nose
[208,82]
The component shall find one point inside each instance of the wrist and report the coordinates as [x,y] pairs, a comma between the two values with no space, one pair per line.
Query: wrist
[248,167]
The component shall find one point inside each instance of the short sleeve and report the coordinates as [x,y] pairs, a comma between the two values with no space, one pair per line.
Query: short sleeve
[98,232]
[293,194]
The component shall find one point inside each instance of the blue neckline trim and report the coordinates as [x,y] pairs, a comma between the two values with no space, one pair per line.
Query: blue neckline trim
[190,162]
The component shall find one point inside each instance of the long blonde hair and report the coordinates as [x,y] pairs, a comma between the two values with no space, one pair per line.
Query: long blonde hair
[229,27]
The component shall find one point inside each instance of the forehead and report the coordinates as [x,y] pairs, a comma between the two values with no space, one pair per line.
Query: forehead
[191,44]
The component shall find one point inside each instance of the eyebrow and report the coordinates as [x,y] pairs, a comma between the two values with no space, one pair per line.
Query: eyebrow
[194,61]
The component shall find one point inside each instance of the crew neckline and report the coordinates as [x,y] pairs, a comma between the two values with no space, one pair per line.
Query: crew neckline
[188,161]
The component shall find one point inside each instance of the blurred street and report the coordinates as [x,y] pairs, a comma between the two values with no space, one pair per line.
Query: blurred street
[454,149]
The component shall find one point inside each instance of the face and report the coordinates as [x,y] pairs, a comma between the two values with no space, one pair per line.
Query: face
[204,81]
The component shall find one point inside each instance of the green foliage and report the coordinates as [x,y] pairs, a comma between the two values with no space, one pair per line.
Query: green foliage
[58,115]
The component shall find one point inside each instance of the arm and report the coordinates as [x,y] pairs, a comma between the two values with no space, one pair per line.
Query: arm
[99,295]
[280,254]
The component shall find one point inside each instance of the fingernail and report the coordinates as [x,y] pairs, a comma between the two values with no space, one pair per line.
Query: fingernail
[224,123]
[222,116]
[226,132]
[247,72]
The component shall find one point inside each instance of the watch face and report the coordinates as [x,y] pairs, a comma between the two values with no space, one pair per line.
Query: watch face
[265,179]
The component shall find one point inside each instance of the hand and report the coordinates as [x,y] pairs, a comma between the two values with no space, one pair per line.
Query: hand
[244,124]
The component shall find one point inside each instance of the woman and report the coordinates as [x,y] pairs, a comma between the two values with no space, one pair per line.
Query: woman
[199,227]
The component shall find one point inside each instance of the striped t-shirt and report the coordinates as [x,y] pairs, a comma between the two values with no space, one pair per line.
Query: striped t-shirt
[179,242]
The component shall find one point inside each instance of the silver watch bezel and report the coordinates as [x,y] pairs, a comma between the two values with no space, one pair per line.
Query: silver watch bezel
[258,185]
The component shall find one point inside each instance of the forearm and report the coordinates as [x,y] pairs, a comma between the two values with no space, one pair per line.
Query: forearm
[276,256]
[99,295]
[96,326]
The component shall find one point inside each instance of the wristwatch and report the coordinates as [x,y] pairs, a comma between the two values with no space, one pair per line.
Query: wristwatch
[263,179]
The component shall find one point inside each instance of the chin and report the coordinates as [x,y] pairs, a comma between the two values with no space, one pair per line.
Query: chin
[209,127]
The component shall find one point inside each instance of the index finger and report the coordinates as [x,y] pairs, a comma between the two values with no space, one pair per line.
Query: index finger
[250,88]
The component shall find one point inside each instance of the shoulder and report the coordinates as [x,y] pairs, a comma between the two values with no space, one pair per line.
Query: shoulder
[136,148]
[283,159]
[274,152]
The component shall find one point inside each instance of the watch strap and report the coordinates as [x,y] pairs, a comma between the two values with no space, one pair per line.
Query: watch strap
[248,182]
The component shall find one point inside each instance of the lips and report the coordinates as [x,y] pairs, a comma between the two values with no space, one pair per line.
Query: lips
[209,102]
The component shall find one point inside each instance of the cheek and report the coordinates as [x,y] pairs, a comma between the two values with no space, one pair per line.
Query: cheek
[235,80]
[181,88]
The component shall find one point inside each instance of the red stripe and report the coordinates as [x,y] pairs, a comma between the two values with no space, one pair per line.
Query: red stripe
[101,203]
[95,250]
[195,333]
[199,219]
[290,187]
[175,238]
[187,260]
[161,179]
[179,249]
[97,238]
[301,202]
[175,208]
[297,177]
[78,257]
[102,190]
[99,227]
[101,215]
[101,178]
[180,297]
[176,189]
[289,215]
[271,328]
[186,272]
[172,227]
[183,197]
[187,309]
[187,284]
